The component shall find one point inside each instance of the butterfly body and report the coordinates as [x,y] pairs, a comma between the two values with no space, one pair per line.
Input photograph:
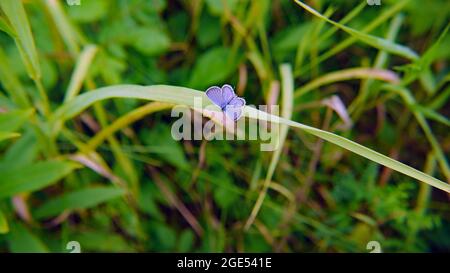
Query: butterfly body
[227,100]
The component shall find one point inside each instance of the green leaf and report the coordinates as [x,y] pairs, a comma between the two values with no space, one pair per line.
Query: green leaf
[13,120]
[207,33]
[33,177]
[150,41]
[4,228]
[15,12]
[288,38]
[211,68]
[371,40]
[21,240]
[82,199]
[21,152]
[89,11]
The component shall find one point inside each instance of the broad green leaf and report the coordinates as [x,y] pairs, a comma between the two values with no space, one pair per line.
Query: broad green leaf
[13,120]
[4,227]
[17,17]
[89,11]
[371,40]
[33,177]
[21,152]
[185,96]
[21,240]
[288,38]
[81,199]
[213,67]
[207,33]
[150,41]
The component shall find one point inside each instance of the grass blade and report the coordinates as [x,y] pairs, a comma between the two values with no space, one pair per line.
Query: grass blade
[81,199]
[371,40]
[348,74]
[185,96]
[4,227]
[15,12]
[80,72]
[288,95]
[357,149]
[8,135]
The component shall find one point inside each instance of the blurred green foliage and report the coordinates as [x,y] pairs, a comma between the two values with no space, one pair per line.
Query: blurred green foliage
[142,191]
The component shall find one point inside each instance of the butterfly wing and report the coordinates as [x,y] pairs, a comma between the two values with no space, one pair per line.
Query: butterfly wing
[234,108]
[227,93]
[214,93]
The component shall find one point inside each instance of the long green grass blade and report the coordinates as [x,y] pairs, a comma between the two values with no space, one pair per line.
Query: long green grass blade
[185,96]
[4,227]
[18,20]
[81,69]
[373,41]
[288,100]
[8,135]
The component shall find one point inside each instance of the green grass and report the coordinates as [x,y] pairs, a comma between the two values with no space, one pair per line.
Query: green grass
[86,152]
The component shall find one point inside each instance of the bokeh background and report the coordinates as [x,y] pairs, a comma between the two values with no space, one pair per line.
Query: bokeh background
[139,190]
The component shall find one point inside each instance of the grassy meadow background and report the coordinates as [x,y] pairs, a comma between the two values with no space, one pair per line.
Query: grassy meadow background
[108,174]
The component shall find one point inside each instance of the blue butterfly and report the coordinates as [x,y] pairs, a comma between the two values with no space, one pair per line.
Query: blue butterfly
[227,100]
